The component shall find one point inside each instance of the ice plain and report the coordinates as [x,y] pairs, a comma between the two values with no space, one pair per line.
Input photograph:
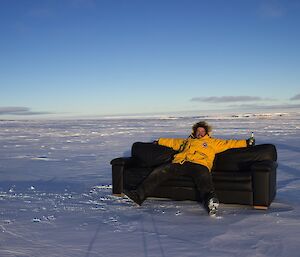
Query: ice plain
[55,192]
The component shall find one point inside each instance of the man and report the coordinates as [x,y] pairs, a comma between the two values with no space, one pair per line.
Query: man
[194,159]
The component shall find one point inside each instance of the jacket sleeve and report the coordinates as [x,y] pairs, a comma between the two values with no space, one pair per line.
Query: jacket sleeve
[174,143]
[223,145]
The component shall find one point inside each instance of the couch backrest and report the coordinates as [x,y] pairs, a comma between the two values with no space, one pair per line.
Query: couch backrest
[150,154]
[240,158]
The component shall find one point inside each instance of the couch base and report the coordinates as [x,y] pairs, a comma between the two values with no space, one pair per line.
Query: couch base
[259,207]
[185,198]
[188,193]
[235,197]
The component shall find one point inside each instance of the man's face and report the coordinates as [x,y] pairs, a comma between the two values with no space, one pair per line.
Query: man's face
[200,132]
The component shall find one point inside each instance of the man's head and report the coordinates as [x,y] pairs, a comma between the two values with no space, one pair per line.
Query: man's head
[200,129]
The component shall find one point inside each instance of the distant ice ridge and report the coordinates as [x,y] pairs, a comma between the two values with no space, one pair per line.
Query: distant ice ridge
[209,115]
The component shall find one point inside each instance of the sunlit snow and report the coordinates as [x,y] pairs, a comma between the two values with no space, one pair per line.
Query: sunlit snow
[55,192]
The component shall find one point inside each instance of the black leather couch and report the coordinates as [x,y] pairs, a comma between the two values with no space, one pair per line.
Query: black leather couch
[240,176]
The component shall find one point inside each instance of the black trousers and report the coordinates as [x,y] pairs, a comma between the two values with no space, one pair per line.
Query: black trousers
[199,173]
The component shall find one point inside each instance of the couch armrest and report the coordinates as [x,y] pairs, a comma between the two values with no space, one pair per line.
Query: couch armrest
[264,182]
[122,161]
[263,166]
[117,175]
[118,166]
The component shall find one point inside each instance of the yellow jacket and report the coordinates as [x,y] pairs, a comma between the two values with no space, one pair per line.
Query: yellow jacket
[199,150]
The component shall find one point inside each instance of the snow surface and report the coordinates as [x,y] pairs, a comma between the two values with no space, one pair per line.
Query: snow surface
[55,192]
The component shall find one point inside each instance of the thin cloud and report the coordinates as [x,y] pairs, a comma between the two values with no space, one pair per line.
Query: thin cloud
[82,3]
[40,13]
[20,111]
[258,106]
[296,97]
[227,99]
[272,9]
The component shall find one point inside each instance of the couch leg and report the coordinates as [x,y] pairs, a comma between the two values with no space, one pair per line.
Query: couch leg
[119,195]
[260,207]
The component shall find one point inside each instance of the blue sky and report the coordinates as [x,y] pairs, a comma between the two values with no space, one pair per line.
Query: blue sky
[83,58]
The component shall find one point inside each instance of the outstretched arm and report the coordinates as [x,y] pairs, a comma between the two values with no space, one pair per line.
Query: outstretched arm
[223,145]
[174,143]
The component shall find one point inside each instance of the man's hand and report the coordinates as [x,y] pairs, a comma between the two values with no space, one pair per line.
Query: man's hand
[250,141]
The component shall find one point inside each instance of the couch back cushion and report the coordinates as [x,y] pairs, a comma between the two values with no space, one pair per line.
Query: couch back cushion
[152,154]
[241,158]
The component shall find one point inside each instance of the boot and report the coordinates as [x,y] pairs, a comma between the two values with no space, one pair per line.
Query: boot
[211,204]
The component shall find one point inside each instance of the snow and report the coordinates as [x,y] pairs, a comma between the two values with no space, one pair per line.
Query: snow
[55,192]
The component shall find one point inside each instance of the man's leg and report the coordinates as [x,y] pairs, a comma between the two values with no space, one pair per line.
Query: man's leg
[155,178]
[201,177]
[203,180]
